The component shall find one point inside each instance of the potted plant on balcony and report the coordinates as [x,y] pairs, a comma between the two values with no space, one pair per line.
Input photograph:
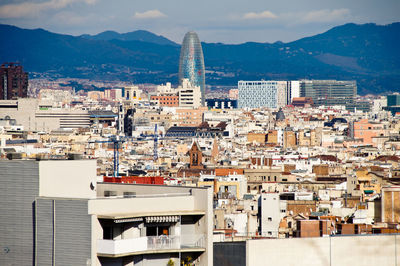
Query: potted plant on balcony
[187,261]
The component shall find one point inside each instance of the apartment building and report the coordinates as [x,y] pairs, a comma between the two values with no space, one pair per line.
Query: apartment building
[13,81]
[186,95]
[188,117]
[273,209]
[368,130]
[54,213]
[189,95]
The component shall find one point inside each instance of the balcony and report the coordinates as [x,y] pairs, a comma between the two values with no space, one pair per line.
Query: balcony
[150,244]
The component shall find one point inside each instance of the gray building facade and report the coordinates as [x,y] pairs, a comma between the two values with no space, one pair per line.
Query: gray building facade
[36,230]
[329,92]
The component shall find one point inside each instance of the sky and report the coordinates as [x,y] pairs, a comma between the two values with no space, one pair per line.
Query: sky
[226,21]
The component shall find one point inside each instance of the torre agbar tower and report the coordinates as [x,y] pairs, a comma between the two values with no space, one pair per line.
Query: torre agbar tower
[191,62]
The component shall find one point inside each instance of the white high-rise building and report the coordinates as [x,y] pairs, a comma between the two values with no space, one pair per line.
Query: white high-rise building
[255,94]
[293,90]
[189,95]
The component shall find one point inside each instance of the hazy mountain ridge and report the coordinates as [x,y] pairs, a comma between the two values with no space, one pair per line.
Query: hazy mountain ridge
[138,35]
[367,53]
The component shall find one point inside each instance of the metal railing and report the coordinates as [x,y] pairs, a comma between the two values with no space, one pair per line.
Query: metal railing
[163,242]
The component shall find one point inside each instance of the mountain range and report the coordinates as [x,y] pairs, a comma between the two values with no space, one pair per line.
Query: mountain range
[138,35]
[367,53]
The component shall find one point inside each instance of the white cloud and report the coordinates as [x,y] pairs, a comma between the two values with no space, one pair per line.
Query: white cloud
[263,14]
[149,14]
[29,9]
[326,15]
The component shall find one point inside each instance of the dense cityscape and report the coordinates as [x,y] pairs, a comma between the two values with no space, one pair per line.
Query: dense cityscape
[265,172]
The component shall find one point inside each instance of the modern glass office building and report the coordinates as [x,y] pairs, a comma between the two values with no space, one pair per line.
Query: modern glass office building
[191,62]
[329,92]
[393,100]
[393,103]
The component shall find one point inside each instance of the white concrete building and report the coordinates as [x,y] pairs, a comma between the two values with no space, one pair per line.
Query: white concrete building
[35,115]
[166,89]
[364,250]
[189,95]
[54,213]
[272,211]
[293,90]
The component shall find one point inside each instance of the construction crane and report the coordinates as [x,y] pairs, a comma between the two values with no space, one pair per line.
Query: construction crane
[155,149]
[155,138]
[117,140]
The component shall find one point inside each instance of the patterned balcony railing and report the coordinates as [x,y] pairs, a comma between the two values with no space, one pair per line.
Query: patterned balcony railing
[163,242]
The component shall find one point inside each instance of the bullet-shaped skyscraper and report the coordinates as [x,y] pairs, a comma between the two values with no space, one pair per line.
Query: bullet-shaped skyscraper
[191,62]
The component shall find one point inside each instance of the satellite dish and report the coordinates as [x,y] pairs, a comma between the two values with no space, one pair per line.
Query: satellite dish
[7,117]
[13,122]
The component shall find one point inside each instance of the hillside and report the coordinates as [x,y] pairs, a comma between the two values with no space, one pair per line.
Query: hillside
[138,35]
[367,53]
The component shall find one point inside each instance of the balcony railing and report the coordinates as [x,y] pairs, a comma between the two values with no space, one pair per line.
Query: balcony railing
[148,243]
[163,242]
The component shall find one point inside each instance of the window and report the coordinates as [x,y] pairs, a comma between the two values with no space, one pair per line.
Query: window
[269,219]
[108,193]
[107,232]
[157,230]
[129,194]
